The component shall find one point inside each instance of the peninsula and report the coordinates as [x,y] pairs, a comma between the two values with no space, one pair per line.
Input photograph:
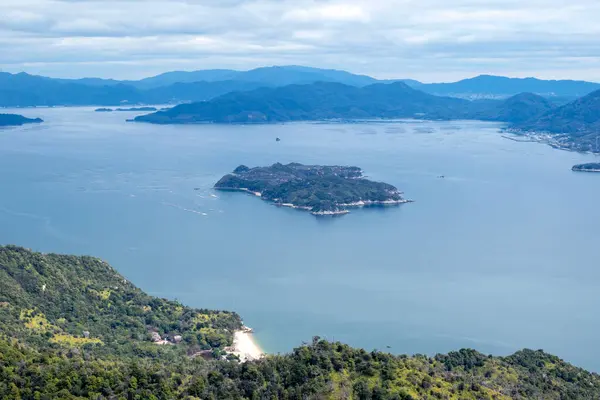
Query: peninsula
[590,167]
[17,120]
[322,190]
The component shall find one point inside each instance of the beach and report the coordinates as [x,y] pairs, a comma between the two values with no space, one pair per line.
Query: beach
[244,345]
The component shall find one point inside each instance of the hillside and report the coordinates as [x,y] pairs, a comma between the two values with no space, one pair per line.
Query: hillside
[17,120]
[48,301]
[575,126]
[318,101]
[516,109]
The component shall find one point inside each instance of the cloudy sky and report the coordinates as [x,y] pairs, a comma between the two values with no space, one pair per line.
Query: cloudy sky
[430,40]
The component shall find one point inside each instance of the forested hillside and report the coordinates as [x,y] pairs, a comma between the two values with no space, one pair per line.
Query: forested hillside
[64,302]
[73,328]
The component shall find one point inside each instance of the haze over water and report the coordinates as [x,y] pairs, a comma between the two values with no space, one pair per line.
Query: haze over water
[498,255]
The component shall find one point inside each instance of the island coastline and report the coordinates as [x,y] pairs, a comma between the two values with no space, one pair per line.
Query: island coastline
[321,190]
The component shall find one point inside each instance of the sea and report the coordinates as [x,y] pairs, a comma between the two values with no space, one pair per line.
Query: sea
[498,252]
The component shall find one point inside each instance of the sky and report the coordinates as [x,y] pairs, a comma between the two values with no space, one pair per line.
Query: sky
[429,40]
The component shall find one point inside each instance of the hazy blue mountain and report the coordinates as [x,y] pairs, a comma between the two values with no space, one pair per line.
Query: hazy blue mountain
[500,86]
[169,78]
[516,109]
[196,91]
[17,120]
[288,75]
[92,81]
[23,90]
[19,90]
[267,76]
[410,82]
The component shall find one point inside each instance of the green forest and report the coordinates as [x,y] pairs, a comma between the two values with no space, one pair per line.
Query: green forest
[73,328]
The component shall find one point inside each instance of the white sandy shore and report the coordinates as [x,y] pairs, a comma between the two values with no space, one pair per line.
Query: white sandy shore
[245,347]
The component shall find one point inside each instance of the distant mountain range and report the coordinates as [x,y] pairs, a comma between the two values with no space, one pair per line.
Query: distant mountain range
[269,76]
[24,90]
[488,86]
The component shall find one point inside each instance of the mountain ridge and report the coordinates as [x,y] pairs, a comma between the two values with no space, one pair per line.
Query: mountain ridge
[24,90]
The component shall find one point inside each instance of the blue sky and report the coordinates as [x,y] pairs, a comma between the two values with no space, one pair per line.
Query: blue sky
[430,40]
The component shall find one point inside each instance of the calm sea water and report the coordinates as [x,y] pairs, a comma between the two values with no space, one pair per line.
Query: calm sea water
[499,255]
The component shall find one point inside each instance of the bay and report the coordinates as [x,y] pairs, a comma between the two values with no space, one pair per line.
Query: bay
[498,255]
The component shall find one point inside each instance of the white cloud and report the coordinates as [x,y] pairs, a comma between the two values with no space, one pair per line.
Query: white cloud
[341,12]
[423,39]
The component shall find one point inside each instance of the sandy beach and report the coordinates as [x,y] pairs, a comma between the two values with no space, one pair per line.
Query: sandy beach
[245,347]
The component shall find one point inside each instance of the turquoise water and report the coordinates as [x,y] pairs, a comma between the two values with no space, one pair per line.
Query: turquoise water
[498,255]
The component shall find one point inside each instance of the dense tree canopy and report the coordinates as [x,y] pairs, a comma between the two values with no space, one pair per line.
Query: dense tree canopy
[47,300]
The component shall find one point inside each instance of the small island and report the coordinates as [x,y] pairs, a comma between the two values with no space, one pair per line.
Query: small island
[590,167]
[17,120]
[322,190]
[139,109]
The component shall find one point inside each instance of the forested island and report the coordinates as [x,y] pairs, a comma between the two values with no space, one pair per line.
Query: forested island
[589,167]
[17,120]
[322,190]
[73,328]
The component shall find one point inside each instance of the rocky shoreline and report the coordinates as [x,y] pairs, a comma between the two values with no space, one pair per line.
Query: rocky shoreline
[589,167]
[339,211]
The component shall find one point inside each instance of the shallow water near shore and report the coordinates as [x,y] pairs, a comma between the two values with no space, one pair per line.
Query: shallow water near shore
[497,255]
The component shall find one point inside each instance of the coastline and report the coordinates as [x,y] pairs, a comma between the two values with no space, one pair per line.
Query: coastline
[339,211]
[245,346]
[559,141]
[585,170]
